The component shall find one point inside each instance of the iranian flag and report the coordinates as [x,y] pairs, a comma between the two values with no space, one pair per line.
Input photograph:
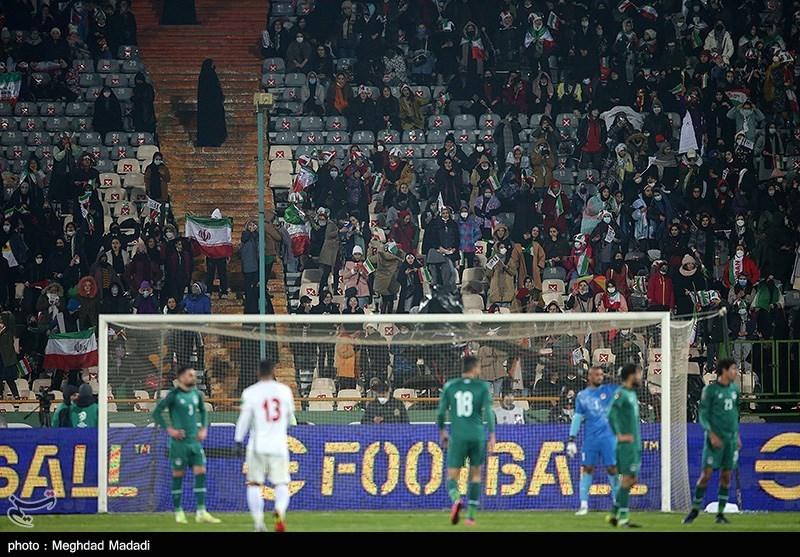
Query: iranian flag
[71,350]
[9,87]
[210,236]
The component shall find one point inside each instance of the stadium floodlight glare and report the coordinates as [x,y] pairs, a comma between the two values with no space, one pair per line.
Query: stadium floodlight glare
[140,352]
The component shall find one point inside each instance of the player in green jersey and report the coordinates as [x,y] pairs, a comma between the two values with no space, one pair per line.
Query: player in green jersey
[469,401]
[719,416]
[187,430]
[623,417]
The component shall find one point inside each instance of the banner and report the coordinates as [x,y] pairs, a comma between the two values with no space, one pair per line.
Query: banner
[367,467]
[210,236]
[71,350]
[10,84]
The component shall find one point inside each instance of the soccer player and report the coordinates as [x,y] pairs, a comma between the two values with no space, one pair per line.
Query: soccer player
[623,417]
[187,430]
[468,400]
[599,443]
[719,416]
[266,412]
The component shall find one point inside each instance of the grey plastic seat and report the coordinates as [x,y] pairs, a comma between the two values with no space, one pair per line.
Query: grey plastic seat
[273,65]
[285,138]
[389,136]
[281,10]
[87,139]
[363,137]
[122,151]
[25,109]
[431,151]
[489,121]
[107,66]
[437,136]
[44,152]
[411,151]
[123,93]
[291,94]
[91,94]
[128,52]
[567,121]
[422,92]
[16,152]
[81,124]
[590,175]
[104,165]
[40,79]
[286,124]
[311,123]
[130,66]
[51,109]
[116,138]
[565,176]
[31,124]
[84,65]
[115,80]
[294,79]
[141,138]
[344,64]
[336,123]
[439,122]
[464,122]
[272,80]
[312,138]
[464,137]
[56,124]
[6,109]
[37,138]
[7,124]
[77,109]
[486,135]
[414,136]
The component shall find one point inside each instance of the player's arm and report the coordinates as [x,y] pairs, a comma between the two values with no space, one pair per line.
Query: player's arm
[292,417]
[490,419]
[242,426]
[441,414]
[574,428]
[201,411]
[617,422]
[704,416]
[158,416]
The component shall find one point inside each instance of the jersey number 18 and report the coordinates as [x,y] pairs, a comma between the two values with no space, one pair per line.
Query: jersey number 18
[463,404]
[275,405]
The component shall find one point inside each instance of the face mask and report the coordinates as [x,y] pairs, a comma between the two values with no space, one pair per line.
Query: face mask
[612,290]
[322,220]
[485,166]
[334,173]
[656,110]
[747,111]
[464,215]
[658,197]
[479,148]
[107,94]
[299,39]
[312,81]
[170,235]
[663,270]
[70,233]
[606,220]
[772,130]
[742,282]
[196,291]
[7,227]
[382,400]
[502,251]
[585,24]
[380,148]
[487,195]
[740,223]
[39,260]
[578,245]
[146,294]
[114,290]
[158,162]
[770,192]
[739,254]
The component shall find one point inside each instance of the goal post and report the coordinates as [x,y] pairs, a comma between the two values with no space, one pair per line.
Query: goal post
[138,355]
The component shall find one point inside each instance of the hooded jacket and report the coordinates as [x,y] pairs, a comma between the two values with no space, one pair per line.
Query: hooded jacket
[197,304]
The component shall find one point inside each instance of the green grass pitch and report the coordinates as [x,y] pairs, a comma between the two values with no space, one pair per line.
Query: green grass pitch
[396,521]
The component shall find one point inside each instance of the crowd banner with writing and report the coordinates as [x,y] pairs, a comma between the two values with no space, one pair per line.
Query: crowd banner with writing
[363,467]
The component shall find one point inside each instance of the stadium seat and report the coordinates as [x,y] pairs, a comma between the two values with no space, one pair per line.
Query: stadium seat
[56,124]
[51,109]
[465,137]
[473,301]
[312,138]
[464,122]
[273,65]
[91,94]
[127,166]
[389,136]
[474,274]
[363,137]
[130,67]
[22,384]
[437,136]
[109,180]
[554,273]
[141,138]
[7,123]
[413,152]
[115,80]
[272,80]
[30,124]
[422,92]
[121,151]
[309,288]
[81,124]
[439,122]
[311,123]
[133,180]
[406,396]
[107,66]
[37,138]
[336,123]
[414,136]
[90,80]
[285,138]
[603,356]
[145,154]
[104,165]
[280,152]
[123,94]
[128,52]
[323,400]
[489,121]
[83,65]
[338,138]
[347,405]
[553,286]
[294,79]
[281,166]
[311,275]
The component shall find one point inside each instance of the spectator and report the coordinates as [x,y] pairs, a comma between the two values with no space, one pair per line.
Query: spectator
[145,302]
[157,178]
[107,113]
[217,267]
[388,109]
[211,128]
[410,283]
[62,415]
[196,302]
[338,97]
[298,54]
[83,411]
[740,265]
[322,63]
[386,284]
[508,412]
[384,409]
[144,114]
[410,110]
[660,294]
[355,277]
[8,354]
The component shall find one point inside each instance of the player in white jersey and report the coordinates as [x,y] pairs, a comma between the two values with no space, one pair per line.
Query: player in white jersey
[267,411]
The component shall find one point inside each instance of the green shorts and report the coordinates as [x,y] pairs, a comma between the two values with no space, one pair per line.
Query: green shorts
[186,453]
[629,459]
[459,450]
[726,457]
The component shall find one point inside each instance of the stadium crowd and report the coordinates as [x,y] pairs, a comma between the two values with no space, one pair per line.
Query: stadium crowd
[541,157]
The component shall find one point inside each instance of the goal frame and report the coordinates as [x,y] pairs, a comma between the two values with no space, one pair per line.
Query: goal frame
[106,320]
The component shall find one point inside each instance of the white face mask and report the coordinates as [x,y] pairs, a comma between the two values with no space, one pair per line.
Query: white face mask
[299,39]
[739,254]
[502,251]
[7,227]
[39,260]
[170,235]
[577,245]
[70,233]
[479,148]
[146,294]
[380,148]
[382,400]
[464,215]
[334,173]
[606,220]
[739,223]
[656,110]
[658,197]
[612,291]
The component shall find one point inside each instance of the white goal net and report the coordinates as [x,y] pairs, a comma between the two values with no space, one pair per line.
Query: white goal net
[351,451]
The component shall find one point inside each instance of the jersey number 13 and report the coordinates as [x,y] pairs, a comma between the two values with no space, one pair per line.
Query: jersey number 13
[272,410]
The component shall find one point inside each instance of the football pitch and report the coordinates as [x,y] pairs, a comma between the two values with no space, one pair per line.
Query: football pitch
[402,521]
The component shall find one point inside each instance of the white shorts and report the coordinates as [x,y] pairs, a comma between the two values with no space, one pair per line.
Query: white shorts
[261,467]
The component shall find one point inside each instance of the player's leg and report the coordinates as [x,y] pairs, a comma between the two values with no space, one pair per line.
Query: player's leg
[279,477]
[256,474]
[699,491]
[177,461]
[722,495]
[456,458]
[609,453]
[613,481]
[199,490]
[477,457]
[587,471]
[623,499]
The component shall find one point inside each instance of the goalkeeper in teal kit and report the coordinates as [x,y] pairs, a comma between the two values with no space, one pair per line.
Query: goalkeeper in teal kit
[719,416]
[187,430]
[599,443]
[468,400]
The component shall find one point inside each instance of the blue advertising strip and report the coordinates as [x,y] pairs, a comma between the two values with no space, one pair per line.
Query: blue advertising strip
[369,467]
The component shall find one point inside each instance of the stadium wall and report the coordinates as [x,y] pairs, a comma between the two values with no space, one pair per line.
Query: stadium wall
[371,467]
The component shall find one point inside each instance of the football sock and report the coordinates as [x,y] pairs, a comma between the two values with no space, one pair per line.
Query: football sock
[452,489]
[177,493]
[474,497]
[613,481]
[699,495]
[722,497]
[586,483]
[623,496]
[255,502]
[200,491]
[281,499]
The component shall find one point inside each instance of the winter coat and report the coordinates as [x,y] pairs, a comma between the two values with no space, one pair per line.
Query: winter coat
[749,268]
[355,275]
[518,263]
[330,248]
[469,232]
[385,281]
[502,287]
[659,291]
[196,304]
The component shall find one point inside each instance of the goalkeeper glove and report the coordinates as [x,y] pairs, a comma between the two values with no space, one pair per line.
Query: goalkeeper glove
[572,448]
[240,451]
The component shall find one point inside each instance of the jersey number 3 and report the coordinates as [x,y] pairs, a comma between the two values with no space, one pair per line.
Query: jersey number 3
[463,404]
[275,406]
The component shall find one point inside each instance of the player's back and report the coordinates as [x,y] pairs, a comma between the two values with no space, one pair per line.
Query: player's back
[467,399]
[623,414]
[593,404]
[270,405]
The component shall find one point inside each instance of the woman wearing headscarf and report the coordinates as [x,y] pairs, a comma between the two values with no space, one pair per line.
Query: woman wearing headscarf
[179,12]
[689,279]
[144,115]
[388,108]
[211,129]
[64,164]
[312,95]
[543,94]
[410,111]
[157,178]
[107,113]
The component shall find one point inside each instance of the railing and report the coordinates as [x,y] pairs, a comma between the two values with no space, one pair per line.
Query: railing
[770,373]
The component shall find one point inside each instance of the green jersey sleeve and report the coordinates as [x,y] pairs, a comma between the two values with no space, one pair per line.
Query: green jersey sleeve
[487,408]
[162,405]
[444,404]
[201,409]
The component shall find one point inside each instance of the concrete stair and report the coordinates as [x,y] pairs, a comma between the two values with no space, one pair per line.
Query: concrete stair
[205,178]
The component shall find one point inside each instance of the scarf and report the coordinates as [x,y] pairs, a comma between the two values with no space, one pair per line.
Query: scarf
[583,262]
[559,202]
[539,37]
[735,269]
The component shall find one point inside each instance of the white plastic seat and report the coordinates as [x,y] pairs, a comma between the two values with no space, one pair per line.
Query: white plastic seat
[405,396]
[323,402]
[347,405]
